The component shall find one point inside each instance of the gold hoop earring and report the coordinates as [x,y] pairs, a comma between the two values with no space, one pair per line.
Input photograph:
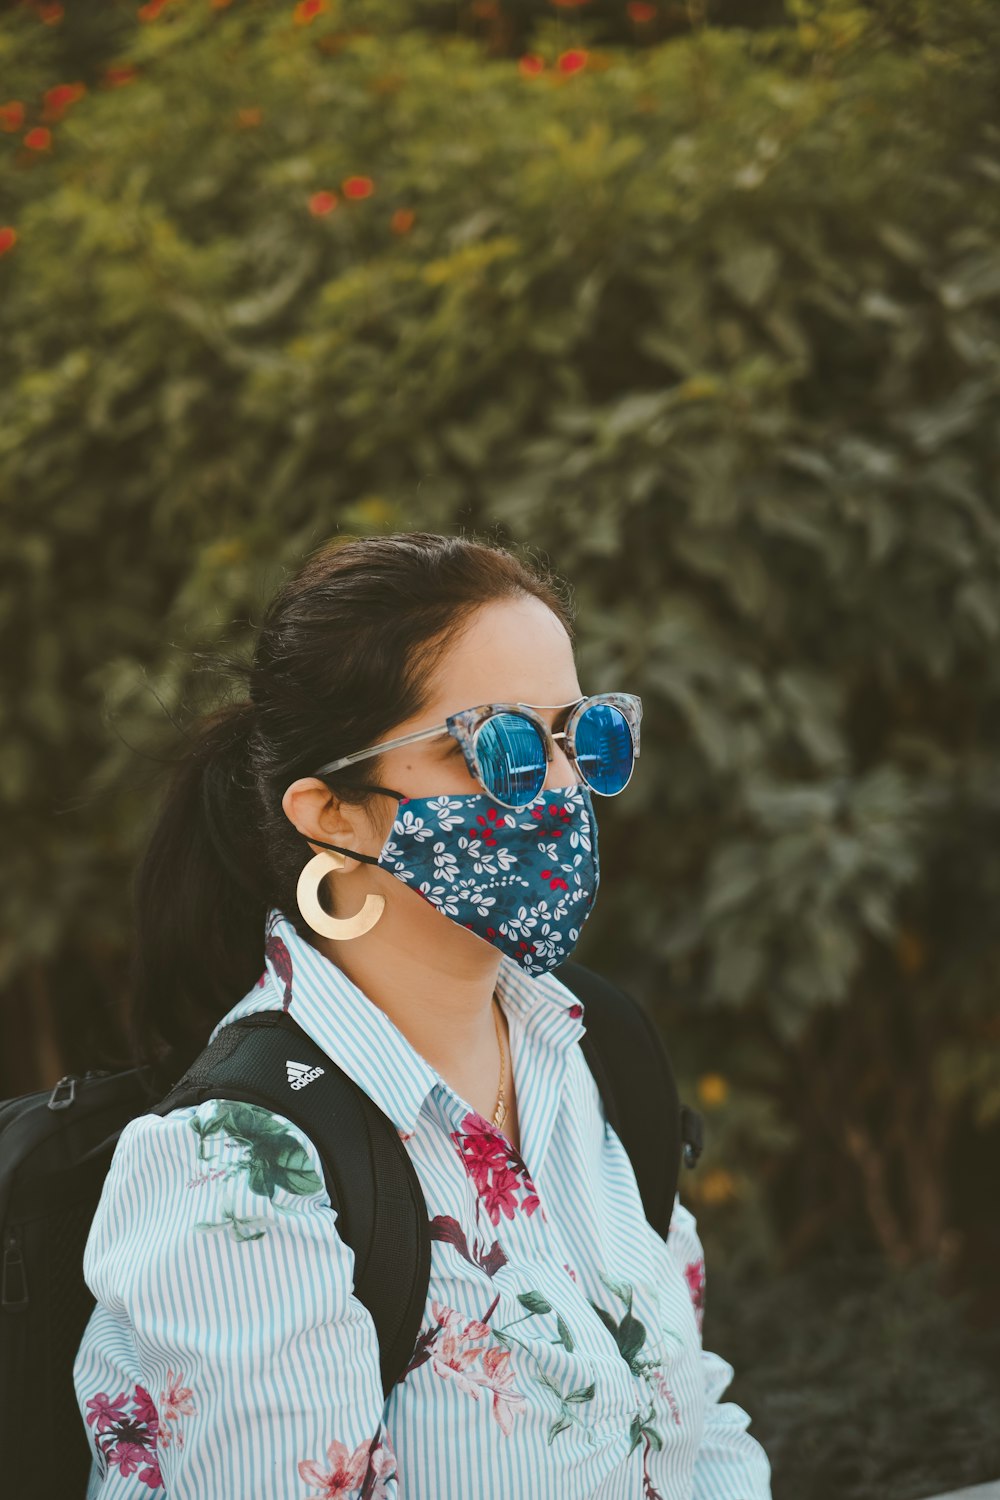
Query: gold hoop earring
[307,895]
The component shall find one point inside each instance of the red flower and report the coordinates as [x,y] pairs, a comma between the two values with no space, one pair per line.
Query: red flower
[500,1194]
[59,99]
[8,238]
[128,1456]
[357,187]
[640,11]
[402,221]
[281,961]
[115,78]
[39,139]
[322,203]
[11,115]
[151,9]
[176,1398]
[307,10]
[105,1410]
[145,1410]
[482,1153]
[531,1199]
[569,4]
[50,15]
[346,1470]
[495,1167]
[531,65]
[573,61]
[694,1274]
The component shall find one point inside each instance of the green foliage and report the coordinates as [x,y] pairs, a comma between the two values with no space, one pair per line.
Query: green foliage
[714,326]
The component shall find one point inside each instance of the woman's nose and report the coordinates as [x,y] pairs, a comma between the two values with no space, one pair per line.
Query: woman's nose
[562,771]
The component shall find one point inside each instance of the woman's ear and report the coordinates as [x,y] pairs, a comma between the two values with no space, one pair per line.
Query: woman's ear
[319,814]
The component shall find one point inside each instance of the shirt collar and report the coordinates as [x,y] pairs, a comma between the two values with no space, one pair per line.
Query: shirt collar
[362,1040]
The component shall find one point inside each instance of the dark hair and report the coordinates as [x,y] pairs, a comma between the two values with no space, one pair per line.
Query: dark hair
[344,652]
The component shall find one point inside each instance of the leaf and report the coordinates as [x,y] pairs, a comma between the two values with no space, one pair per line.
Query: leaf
[608,1321]
[564,1333]
[534,1302]
[635,412]
[621,1289]
[294,1171]
[494,1258]
[444,1227]
[277,1159]
[631,1337]
[750,271]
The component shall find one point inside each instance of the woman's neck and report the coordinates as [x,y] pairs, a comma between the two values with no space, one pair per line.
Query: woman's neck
[444,1009]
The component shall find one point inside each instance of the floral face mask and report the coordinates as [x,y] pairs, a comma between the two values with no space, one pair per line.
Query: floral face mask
[524,879]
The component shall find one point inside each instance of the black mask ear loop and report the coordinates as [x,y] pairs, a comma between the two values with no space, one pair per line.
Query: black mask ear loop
[369,859]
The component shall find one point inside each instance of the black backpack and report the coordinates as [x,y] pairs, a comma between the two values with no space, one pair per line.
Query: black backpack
[56,1148]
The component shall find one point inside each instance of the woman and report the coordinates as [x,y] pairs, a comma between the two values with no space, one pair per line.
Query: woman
[407,874]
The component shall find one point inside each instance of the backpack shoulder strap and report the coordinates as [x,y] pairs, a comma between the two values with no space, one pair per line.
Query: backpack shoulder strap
[373,1185]
[632,1069]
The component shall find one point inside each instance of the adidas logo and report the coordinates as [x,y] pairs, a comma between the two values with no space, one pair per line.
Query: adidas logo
[299,1074]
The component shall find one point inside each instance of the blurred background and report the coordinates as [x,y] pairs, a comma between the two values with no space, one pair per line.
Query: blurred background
[699,303]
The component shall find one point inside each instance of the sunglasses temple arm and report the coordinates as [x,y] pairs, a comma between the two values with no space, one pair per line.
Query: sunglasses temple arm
[406,739]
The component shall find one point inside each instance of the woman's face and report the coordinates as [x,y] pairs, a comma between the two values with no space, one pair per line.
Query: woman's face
[512,651]
[515,651]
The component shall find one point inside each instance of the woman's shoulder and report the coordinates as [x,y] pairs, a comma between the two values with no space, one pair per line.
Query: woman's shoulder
[221,1168]
[220,1140]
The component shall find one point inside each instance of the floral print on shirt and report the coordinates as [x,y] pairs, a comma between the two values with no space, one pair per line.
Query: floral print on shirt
[129,1442]
[270,1157]
[366,1473]
[277,954]
[454,1343]
[464,1351]
[126,1442]
[694,1275]
[496,1168]
[630,1336]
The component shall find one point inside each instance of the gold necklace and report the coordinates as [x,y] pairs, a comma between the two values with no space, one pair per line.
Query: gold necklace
[500,1113]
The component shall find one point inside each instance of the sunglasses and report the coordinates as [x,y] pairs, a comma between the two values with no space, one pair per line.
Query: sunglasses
[508,746]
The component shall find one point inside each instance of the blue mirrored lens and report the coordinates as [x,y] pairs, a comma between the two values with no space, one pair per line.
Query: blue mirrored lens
[604,750]
[511,759]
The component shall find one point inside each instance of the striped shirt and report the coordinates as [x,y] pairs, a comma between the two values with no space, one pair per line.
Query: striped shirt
[560,1353]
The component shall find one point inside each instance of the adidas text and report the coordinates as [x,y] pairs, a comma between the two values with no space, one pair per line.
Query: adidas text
[299,1074]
